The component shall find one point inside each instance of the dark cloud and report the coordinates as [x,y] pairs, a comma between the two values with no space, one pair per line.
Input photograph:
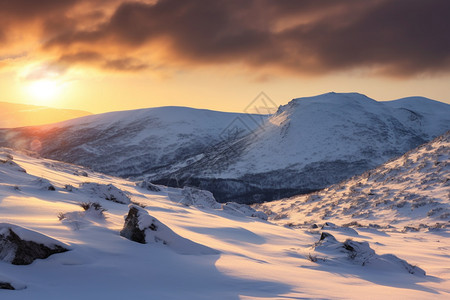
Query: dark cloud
[92,58]
[33,8]
[125,64]
[395,37]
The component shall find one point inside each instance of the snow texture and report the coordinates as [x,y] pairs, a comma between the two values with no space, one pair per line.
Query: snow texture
[328,249]
[254,260]
[106,191]
[413,189]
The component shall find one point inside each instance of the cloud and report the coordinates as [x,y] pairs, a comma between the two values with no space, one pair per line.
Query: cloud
[393,37]
[91,58]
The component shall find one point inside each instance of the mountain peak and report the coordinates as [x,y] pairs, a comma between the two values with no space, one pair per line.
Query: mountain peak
[335,97]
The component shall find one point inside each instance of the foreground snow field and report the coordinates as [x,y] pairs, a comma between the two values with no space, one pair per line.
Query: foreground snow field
[246,258]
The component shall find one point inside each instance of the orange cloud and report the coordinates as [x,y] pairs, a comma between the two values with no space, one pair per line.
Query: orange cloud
[393,37]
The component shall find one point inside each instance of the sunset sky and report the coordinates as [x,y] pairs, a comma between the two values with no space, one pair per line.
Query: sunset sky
[100,55]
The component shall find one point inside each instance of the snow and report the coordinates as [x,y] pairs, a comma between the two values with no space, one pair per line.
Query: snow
[130,143]
[410,191]
[29,235]
[333,126]
[190,196]
[106,191]
[329,250]
[255,259]
[157,232]
[199,198]
[314,142]
[16,284]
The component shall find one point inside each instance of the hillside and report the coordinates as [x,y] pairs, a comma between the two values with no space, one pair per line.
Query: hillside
[131,143]
[311,143]
[412,191]
[306,145]
[184,245]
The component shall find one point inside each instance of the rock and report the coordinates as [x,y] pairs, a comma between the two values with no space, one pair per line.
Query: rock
[199,198]
[142,228]
[68,188]
[6,286]
[146,184]
[107,192]
[45,184]
[8,283]
[360,253]
[21,246]
[131,229]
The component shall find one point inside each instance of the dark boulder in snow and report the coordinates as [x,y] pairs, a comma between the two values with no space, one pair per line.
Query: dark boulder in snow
[7,283]
[360,253]
[6,286]
[131,229]
[20,246]
[142,228]
[107,192]
[146,184]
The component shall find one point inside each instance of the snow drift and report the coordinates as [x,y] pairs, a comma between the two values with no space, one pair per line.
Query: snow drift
[142,228]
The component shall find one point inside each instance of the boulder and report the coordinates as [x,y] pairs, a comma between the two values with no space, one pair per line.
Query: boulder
[360,253]
[199,198]
[20,246]
[142,228]
[6,286]
[107,192]
[146,184]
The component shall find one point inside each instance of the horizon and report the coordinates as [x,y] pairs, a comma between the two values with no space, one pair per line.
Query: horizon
[99,56]
[226,149]
[217,110]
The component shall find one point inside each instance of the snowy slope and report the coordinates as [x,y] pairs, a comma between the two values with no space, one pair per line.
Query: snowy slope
[130,143]
[251,258]
[314,142]
[411,192]
[307,145]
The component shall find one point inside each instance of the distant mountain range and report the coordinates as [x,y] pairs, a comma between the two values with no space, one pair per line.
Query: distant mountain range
[412,189]
[306,145]
[311,143]
[133,143]
[19,115]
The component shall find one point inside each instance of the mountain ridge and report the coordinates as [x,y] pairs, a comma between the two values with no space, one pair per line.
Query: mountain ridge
[309,143]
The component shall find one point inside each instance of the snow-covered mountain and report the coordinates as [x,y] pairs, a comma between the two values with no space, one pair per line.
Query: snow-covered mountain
[311,143]
[412,190]
[70,233]
[306,145]
[131,143]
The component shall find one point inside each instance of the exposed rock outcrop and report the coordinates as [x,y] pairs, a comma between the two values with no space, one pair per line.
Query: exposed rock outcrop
[360,253]
[20,246]
[142,228]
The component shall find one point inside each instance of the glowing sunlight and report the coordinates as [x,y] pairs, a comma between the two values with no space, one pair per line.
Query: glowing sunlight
[44,91]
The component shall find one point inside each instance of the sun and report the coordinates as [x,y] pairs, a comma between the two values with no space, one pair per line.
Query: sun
[44,91]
